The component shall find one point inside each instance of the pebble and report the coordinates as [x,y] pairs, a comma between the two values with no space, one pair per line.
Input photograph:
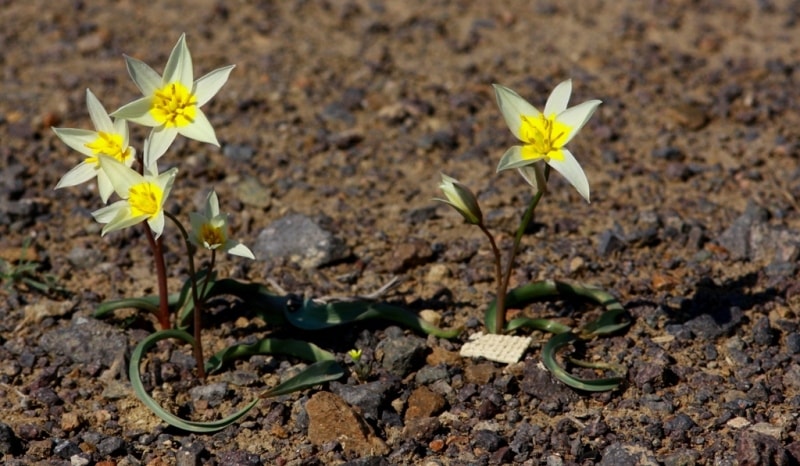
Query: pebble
[487,440]
[754,449]
[213,393]
[9,443]
[609,243]
[402,354]
[368,397]
[424,402]
[736,238]
[429,374]
[333,420]
[764,333]
[86,340]
[301,239]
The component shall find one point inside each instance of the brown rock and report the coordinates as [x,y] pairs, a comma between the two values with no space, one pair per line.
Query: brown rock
[440,355]
[424,403]
[331,419]
[481,373]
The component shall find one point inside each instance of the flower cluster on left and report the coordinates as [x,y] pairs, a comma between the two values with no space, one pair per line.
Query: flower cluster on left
[171,105]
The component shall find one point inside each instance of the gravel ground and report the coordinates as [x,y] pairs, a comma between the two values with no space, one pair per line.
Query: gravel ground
[339,118]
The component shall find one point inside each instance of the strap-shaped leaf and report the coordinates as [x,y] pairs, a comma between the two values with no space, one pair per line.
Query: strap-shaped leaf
[323,369]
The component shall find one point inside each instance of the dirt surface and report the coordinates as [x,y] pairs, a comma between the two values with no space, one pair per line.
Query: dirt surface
[351,110]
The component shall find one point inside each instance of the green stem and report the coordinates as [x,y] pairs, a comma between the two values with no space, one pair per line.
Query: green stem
[498,272]
[500,316]
[197,346]
[161,276]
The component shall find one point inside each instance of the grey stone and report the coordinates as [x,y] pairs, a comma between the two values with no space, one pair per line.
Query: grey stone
[430,374]
[9,442]
[86,340]
[110,446]
[753,448]
[736,239]
[299,238]
[719,322]
[679,426]
[488,440]
[368,397]
[610,242]
[84,258]
[401,355]
[238,152]
[763,333]
[213,393]
[618,454]
[793,342]
[66,449]
[190,455]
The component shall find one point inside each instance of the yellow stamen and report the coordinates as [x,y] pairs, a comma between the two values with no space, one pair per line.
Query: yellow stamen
[211,236]
[174,105]
[109,144]
[543,137]
[145,199]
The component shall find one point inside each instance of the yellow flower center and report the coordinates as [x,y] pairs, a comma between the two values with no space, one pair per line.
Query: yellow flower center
[145,199]
[109,144]
[543,137]
[211,236]
[174,105]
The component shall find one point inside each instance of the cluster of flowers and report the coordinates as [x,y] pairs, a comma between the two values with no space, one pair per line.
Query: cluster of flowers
[171,106]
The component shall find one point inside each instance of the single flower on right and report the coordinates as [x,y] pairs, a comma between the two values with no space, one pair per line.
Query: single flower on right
[544,135]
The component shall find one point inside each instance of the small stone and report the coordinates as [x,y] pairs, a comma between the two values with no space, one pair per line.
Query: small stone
[368,396]
[84,258]
[487,440]
[679,426]
[753,449]
[86,341]
[429,374]
[213,393]
[110,446]
[332,420]
[480,374]
[253,193]
[66,449]
[70,421]
[401,355]
[424,403]
[609,243]
[437,273]
[301,239]
[431,316]
[9,442]
[793,342]
[190,455]
[412,253]
[763,333]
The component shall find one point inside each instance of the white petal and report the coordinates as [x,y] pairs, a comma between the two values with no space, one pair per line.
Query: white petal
[165,182]
[123,220]
[577,116]
[238,249]
[513,159]
[179,65]
[513,107]
[81,173]
[159,141]
[534,175]
[98,114]
[200,129]
[145,78]
[212,205]
[104,186]
[77,138]
[137,111]
[157,224]
[107,213]
[207,87]
[557,102]
[122,177]
[572,171]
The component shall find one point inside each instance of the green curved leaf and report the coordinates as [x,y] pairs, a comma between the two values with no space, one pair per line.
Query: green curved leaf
[146,303]
[168,417]
[315,316]
[323,369]
[613,319]
[592,385]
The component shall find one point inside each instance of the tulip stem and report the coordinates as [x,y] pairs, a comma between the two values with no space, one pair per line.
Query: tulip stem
[197,347]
